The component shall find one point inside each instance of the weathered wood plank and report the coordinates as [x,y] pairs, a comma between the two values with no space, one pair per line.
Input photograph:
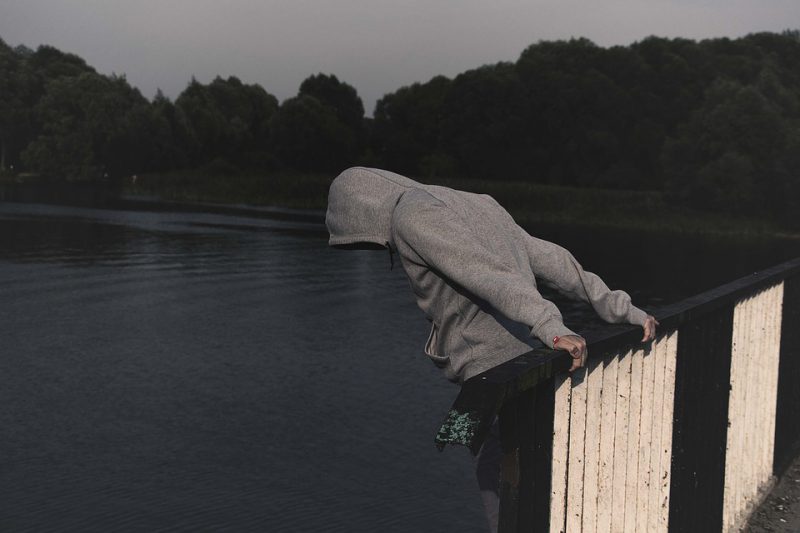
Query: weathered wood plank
[558,490]
[577,436]
[632,480]
[646,475]
[750,354]
[591,467]
[621,442]
[668,407]
[736,406]
[607,433]
[772,402]
[656,468]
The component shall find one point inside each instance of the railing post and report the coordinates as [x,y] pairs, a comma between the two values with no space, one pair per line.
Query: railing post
[702,386]
[787,429]
[535,461]
[526,433]
[510,427]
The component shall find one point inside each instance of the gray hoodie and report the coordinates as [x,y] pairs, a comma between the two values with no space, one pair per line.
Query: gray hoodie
[473,270]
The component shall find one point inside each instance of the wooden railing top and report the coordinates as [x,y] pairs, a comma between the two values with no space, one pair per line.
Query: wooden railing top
[481,397]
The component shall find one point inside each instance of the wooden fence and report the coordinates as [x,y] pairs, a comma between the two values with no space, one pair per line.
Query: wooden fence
[686,434]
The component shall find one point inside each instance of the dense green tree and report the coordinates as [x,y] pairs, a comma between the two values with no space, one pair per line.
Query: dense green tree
[87,128]
[484,125]
[10,102]
[715,123]
[224,119]
[17,98]
[339,96]
[308,135]
[732,153]
[406,130]
[51,63]
[168,134]
[577,117]
[343,100]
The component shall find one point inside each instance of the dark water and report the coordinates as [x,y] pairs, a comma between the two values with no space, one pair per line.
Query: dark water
[194,372]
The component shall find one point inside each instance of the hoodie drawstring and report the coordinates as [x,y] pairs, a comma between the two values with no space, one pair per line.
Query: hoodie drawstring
[391,257]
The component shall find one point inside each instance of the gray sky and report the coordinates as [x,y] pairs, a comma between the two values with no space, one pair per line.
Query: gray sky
[375,45]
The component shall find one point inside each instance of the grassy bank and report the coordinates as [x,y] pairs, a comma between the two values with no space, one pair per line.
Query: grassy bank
[300,191]
[529,203]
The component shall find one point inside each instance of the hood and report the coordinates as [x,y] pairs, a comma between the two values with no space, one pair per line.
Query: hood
[360,205]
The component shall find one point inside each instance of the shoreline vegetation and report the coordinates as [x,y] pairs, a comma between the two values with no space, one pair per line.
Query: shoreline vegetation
[665,134]
[529,203]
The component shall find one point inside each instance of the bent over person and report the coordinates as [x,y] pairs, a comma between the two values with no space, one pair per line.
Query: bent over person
[474,273]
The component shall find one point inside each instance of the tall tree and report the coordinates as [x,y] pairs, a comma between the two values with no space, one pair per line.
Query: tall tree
[339,96]
[225,119]
[732,153]
[407,128]
[309,136]
[10,101]
[86,128]
[483,125]
[17,93]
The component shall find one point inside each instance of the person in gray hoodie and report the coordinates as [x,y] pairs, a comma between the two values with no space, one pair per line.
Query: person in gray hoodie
[474,274]
[473,270]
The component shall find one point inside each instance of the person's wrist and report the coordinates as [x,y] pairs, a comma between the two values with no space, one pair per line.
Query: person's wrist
[548,330]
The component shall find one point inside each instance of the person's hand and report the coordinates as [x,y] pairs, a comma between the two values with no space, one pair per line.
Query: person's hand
[649,327]
[576,346]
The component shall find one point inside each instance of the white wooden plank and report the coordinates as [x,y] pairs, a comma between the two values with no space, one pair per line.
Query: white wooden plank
[739,416]
[591,465]
[607,431]
[558,483]
[735,436]
[771,369]
[748,413]
[775,341]
[577,436]
[654,490]
[668,407]
[740,489]
[621,442]
[632,479]
[759,406]
[645,437]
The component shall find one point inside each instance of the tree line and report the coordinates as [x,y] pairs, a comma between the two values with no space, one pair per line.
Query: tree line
[715,123]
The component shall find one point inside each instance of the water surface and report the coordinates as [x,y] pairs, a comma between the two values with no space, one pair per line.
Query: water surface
[197,372]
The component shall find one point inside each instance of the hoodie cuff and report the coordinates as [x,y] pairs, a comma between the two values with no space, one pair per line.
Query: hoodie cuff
[550,328]
[636,316]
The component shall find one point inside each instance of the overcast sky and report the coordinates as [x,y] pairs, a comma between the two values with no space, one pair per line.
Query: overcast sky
[375,45]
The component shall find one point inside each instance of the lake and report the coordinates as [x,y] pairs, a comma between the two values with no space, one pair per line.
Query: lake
[190,371]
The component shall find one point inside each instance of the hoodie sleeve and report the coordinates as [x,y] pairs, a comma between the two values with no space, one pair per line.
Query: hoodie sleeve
[428,232]
[557,268]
